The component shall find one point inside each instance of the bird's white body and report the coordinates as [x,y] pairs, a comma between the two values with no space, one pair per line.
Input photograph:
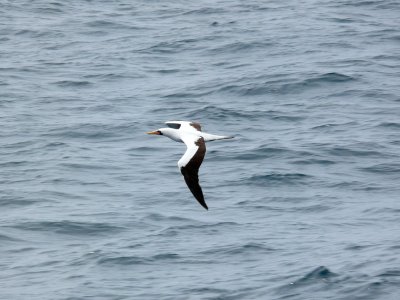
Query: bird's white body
[178,134]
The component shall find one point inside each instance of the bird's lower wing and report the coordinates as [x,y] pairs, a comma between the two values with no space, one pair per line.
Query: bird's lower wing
[190,163]
[192,181]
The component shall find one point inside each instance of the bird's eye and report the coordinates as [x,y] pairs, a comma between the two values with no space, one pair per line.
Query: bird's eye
[159,132]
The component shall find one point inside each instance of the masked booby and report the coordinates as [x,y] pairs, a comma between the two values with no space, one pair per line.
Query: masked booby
[191,134]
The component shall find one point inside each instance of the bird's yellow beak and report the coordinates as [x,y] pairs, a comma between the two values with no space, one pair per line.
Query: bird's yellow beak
[154,132]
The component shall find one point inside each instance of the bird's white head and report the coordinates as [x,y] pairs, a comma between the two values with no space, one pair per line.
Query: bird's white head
[173,134]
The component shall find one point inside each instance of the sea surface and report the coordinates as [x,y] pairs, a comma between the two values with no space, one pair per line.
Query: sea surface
[304,202]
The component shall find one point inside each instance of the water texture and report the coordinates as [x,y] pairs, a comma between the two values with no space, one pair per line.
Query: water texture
[304,202]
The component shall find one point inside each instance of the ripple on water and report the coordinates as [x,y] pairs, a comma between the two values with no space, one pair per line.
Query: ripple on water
[13,201]
[137,260]
[72,228]
[6,238]
[277,179]
[245,249]
[383,169]
[319,279]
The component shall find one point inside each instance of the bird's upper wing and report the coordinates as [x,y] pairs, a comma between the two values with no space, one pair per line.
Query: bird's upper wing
[184,125]
[190,163]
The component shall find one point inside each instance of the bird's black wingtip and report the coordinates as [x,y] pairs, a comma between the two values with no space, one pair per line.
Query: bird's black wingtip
[204,205]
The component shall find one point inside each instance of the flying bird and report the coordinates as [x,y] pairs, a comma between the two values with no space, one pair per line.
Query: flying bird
[190,133]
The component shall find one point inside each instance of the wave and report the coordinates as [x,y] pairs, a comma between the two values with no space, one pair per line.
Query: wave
[171,47]
[69,227]
[383,169]
[316,81]
[265,152]
[262,152]
[205,11]
[249,248]
[314,161]
[90,131]
[353,152]
[285,85]
[218,113]
[222,113]
[319,273]
[321,278]
[178,229]
[358,286]
[15,201]
[73,83]
[6,238]
[160,217]
[136,260]
[262,85]
[366,3]
[240,47]
[277,178]
[391,125]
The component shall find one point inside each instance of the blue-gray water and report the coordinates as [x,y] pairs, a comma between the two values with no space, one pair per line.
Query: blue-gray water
[304,203]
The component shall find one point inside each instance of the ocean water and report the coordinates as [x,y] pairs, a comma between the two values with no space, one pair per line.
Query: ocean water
[304,202]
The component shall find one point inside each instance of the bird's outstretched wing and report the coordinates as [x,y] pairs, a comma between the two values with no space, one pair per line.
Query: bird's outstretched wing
[184,125]
[190,163]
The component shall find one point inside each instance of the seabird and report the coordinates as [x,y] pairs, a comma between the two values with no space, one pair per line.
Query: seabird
[190,133]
